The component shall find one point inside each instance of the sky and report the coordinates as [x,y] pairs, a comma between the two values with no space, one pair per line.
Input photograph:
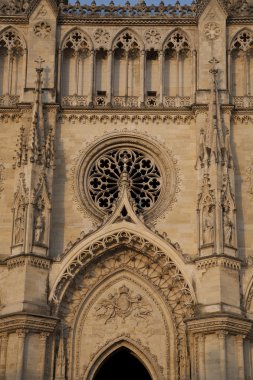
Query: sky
[148,2]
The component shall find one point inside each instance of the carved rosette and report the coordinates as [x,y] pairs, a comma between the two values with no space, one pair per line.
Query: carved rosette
[42,29]
[152,37]
[101,36]
[212,30]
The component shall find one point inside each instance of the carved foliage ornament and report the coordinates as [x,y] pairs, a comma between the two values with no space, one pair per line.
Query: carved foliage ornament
[152,173]
[42,29]
[122,304]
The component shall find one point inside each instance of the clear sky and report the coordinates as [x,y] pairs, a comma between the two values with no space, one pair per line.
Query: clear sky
[148,2]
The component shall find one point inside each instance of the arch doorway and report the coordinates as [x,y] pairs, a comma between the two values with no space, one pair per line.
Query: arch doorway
[122,364]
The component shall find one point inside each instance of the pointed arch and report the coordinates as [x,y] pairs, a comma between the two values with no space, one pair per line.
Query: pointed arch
[126,47]
[132,33]
[241,47]
[143,355]
[178,62]
[13,60]
[77,60]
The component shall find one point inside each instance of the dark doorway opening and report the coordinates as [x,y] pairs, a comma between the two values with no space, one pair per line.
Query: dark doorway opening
[122,365]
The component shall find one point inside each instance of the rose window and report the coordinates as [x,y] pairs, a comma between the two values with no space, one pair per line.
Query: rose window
[106,172]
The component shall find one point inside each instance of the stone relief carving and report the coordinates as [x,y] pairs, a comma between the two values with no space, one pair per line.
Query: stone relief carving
[212,30]
[249,177]
[152,36]
[122,304]
[42,29]
[101,36]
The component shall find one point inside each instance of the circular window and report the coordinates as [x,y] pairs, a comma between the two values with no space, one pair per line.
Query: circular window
[105,175]
[151,172]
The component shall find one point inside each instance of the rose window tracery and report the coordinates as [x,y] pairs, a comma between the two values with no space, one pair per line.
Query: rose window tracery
[105,176]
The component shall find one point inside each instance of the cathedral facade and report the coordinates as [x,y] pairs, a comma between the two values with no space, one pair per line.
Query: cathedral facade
[126,190]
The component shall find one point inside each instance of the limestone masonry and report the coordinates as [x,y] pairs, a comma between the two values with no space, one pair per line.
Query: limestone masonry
[126,189]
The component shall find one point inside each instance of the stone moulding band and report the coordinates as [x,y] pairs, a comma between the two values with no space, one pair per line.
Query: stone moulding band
[28,322]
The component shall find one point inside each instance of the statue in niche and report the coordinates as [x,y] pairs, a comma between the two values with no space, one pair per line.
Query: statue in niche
[19,225]
[228,225]
[39,222]
[208,224]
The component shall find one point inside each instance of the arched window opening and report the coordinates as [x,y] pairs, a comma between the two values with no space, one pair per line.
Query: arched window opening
[126,73]
[122,364]
[242,57]
[177,69]
[12,63]
[77,69]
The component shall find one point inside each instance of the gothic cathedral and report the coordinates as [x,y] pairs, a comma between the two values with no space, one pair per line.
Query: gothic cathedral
[126,190]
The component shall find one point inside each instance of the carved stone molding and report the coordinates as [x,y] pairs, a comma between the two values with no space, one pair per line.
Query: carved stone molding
[32,323]
[218,261]
[219,324]
[32,260]
[156,152]
[2,177]
[116,118]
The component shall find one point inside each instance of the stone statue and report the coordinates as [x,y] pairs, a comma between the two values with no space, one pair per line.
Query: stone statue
[228,226]
[19,225]
[208,225]
[39,228]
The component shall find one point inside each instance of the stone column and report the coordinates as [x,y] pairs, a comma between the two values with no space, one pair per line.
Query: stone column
[24,74]
[240,356]
[91,84]
[161,68]
[10,70]
[194,75]
[142,77]
[126,76]
[178,73]
[20,359]
[77,71]
[202,366]
[59,89]
[3,355]
[223,357]
[42,353]
[229,71]
[109,77]
[245,68]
